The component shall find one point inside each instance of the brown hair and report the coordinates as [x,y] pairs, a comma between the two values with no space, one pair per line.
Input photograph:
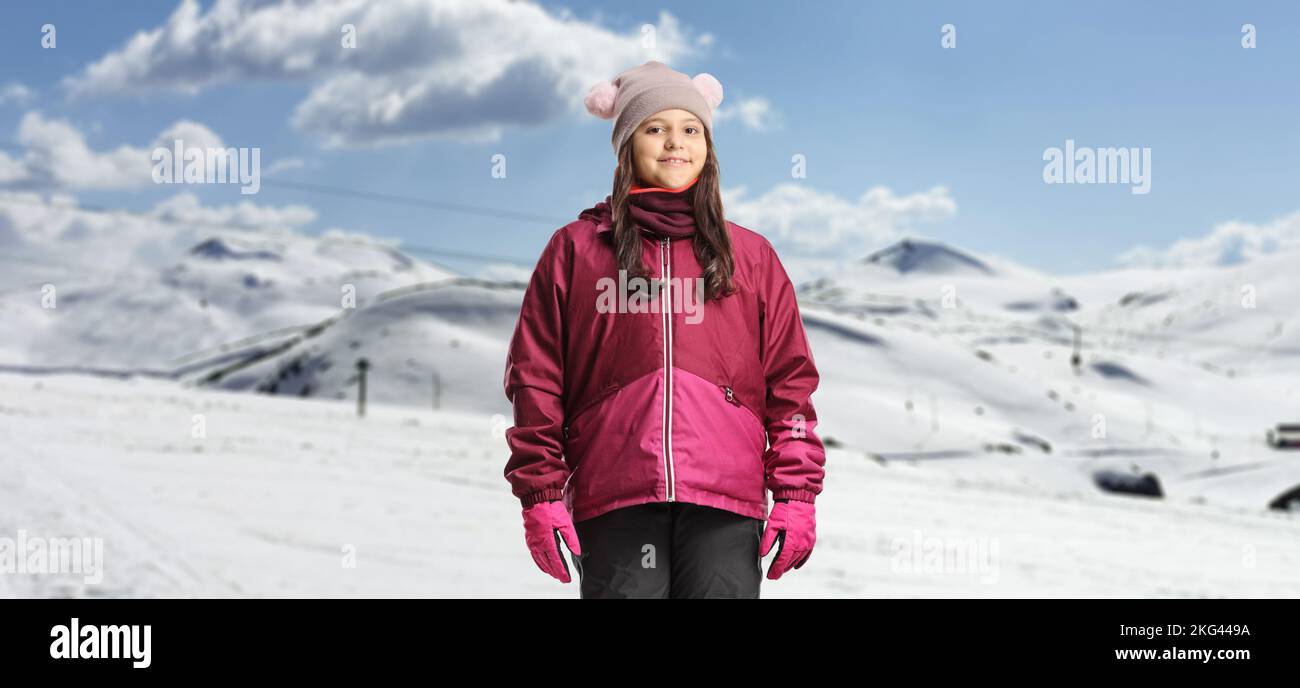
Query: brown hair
[712,240]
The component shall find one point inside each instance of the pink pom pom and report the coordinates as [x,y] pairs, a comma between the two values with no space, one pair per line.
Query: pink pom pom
[600,100]
[710,88]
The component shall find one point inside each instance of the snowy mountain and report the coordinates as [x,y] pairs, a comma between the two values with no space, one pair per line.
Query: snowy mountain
[911,256]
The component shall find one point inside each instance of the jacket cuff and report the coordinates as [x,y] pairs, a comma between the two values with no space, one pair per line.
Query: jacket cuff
[547,495]
[797,495]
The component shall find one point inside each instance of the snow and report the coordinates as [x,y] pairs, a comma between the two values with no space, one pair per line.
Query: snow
[948,396]
[266,502]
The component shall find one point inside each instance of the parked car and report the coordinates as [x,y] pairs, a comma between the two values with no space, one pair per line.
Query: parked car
[1284,436]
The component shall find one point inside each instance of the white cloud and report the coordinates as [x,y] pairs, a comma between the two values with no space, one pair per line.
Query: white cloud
[11,171]
[185,207]
[753,113]
[821,223]
[1229,243]
[16,93]
[462,69]
[338,234]
[504,272]
[192,135]
[56,156]
[56,232]
[802,269]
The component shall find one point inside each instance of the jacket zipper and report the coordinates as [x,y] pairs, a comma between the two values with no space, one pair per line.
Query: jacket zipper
[666,315]
[731,399]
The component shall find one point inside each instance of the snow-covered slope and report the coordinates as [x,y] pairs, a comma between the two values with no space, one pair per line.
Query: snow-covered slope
[279,495]
[228,286]
[445,339]
[1180,372]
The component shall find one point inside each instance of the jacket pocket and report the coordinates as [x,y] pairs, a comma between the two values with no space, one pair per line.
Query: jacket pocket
[746,446]
[730,396]
[589,405]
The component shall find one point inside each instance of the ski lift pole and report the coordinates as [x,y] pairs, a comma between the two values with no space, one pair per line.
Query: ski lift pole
[437,390]
[362,366]
[1076,359]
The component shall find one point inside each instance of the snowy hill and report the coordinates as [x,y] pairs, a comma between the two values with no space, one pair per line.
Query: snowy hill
[1179,374]
[228,286]
[456,330]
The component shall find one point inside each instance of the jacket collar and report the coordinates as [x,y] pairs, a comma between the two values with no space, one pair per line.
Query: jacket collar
[602,215]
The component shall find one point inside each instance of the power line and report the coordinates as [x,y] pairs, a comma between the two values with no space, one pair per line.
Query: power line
[464,254]
[417,202]
[194,222]
[397,199]
[335,191]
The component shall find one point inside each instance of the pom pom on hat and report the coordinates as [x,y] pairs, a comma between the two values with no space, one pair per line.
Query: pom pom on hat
[710,88]
[600,100]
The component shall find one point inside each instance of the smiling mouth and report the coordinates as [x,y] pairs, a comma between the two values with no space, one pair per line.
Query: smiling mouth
[675,162]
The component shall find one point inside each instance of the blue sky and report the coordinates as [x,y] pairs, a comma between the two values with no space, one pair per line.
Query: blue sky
[862,89]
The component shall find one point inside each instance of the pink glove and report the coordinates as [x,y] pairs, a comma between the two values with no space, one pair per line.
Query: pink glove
[544,523]
[797,523]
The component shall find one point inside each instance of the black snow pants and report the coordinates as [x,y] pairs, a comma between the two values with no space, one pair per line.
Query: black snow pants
[669,550]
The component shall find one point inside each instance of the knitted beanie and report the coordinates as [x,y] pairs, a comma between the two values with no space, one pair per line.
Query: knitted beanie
[642,91]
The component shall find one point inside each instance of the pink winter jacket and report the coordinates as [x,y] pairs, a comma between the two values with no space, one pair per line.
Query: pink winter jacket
[614,409]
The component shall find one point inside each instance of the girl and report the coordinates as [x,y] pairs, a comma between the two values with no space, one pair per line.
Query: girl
[660,374]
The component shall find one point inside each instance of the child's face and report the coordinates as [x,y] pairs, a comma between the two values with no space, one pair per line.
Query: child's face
[662,139]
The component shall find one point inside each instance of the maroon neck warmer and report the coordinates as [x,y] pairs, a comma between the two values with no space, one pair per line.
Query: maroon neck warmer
[666,212]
